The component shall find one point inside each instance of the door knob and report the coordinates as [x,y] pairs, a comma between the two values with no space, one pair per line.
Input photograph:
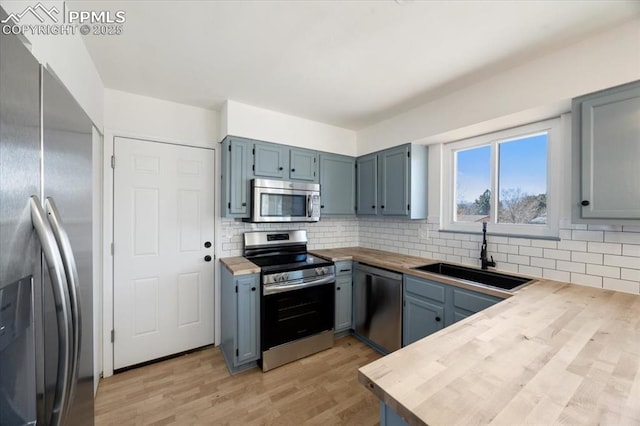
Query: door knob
[207,258]
[207,244]
[293,170]
[253,289]
[585,202]
[437,319]
[338,288]
[279,168]
[373,207]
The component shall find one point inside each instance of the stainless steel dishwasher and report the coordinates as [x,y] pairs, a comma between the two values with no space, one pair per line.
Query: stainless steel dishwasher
[378,306]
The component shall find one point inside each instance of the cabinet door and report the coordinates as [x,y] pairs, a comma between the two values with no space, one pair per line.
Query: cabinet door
[302,164]
[337,184]
[343,303]
[239,177]
[610,137]
[367,185]
[247,333]
[420,318]
[394,181]
[270,160]
[467,302]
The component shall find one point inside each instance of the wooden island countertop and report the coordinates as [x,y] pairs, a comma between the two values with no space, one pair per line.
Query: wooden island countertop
[554,353]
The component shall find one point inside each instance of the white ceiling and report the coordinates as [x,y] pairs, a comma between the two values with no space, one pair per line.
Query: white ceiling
[346,63]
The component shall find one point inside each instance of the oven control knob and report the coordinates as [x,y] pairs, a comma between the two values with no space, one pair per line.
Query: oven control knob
[285,276]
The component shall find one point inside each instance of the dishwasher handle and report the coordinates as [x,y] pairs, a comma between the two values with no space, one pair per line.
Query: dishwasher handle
[378,271]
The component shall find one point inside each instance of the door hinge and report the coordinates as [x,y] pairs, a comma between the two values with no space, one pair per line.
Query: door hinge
[314,173]
[229,204]
[408,206]
[237,352]
[314,159]
[404,303]
[229,147]
[409,154]
[113,333]
[253,167]
[113,161]
[253,151]
[112,249]
[236,289]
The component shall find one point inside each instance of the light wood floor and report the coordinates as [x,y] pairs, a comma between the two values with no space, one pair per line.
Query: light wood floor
[198,389]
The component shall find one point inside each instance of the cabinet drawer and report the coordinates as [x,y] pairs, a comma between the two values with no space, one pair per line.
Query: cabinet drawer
[472,301]
[344,268]
[424,288]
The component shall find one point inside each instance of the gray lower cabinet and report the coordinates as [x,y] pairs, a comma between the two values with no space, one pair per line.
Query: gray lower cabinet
[423,308]
[606,133]
[430,306]
[240,320]
[344,296]
[388,417]
[337,184]
[236,177]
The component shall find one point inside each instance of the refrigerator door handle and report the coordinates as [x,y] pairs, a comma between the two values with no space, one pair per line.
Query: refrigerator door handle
[58,280]
[71,271]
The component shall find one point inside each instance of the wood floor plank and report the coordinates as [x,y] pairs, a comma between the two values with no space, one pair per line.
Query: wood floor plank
[197,389]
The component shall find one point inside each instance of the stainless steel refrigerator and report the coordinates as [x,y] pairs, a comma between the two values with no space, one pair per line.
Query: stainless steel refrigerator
[46,315]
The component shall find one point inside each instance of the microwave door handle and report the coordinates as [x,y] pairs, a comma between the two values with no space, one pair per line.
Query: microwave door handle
[309,205]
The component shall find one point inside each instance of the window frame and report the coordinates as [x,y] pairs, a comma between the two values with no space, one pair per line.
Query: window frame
[449,172]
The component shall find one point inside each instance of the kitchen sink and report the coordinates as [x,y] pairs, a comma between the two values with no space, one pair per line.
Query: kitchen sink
[490,278]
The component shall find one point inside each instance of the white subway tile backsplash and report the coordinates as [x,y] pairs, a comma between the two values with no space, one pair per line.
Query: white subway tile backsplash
[562,265]
[588,280]
[622,237]
[506,248]
[587,235]
[595,258]
[531,251]
[608,248]
[630,274]
[557,254]
[603,271]
[605,227]
[556,275]
[517,259]
[621,285]
[627,262]
[544,244]
[631,228]
[631,250]
[530,270]
[543,263]
[520,241]
[508,267]
[572,245]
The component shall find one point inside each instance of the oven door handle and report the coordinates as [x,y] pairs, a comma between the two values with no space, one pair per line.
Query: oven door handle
[281,288]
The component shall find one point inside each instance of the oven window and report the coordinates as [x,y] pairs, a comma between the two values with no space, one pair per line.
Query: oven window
[296,314]
[283,205]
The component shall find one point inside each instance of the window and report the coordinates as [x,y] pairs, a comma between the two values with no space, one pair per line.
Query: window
[502,178]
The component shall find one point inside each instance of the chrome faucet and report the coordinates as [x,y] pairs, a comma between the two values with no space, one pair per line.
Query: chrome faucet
[483,250]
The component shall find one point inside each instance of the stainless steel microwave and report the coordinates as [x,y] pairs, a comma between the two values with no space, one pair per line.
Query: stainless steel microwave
[284,201]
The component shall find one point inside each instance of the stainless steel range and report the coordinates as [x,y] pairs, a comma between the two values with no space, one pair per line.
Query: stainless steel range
[297,304]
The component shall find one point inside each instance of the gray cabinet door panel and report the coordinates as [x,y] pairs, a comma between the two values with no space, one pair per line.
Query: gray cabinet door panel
[367,182]
[270,160]
[337,184]
[424,288]
[239,179]
[420,318]
[302,164]
[248,338]
[343,303]
[610,135]
[394,181]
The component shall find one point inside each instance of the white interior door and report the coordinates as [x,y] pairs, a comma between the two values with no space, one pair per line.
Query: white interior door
[163,249]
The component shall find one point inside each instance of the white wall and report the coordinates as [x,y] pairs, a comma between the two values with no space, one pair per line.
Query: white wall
[69,59]
[142,117]
[536,90]
[258,123]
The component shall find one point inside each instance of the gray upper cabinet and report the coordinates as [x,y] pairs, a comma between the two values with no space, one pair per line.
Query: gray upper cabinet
[303,164]
[393,182]
[236,176]
[367,185]
[337,184]
[270,160]
[606,133]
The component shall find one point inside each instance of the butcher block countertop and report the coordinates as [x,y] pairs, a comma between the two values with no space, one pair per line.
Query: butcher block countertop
[238,265]
[403,263]
[554,353]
